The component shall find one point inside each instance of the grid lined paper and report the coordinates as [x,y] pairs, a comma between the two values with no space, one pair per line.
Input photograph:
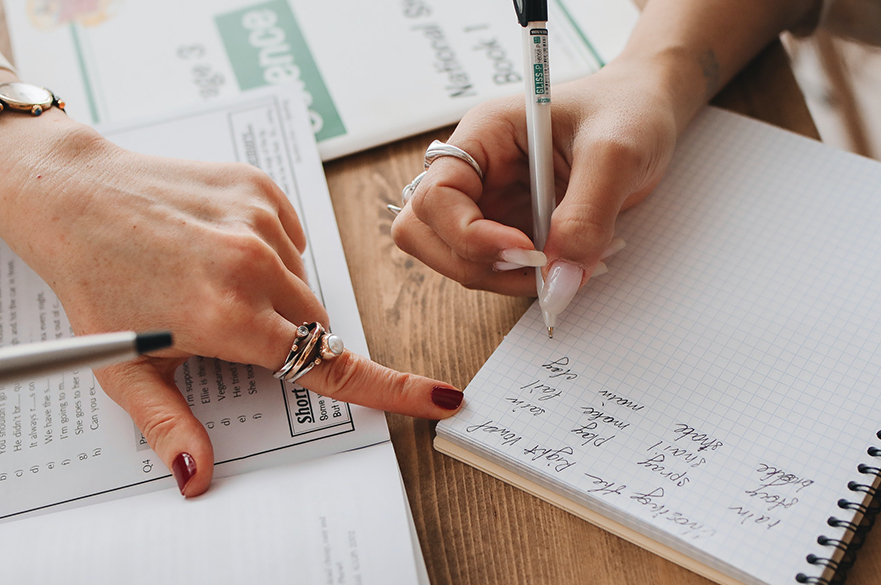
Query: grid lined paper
[717,389]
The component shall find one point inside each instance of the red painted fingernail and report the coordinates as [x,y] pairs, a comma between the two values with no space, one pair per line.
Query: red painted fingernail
[446,398]
[183,469]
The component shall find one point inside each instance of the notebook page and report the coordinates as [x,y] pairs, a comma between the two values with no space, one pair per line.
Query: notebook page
[718,387]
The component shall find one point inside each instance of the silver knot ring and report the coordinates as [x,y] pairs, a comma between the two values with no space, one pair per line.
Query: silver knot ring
[312,343]
[434,151]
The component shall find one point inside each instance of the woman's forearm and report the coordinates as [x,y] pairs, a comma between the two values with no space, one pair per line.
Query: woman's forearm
[697,46]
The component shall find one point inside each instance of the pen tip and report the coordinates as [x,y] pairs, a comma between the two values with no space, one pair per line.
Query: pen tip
[550,332]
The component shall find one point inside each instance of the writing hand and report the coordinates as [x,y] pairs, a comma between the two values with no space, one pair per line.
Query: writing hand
[613,138]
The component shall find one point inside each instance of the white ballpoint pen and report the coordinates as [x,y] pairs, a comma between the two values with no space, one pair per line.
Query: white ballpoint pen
[533,17]
[31,360]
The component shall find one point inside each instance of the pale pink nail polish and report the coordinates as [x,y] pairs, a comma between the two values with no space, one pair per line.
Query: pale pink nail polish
[523,257]
[505,266]
[561,284]
[615,246]
[599,269]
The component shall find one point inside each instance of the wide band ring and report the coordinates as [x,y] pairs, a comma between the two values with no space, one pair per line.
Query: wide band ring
[312,343]
[435,150]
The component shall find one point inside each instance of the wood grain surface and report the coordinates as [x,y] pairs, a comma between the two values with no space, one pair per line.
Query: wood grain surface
[475,529]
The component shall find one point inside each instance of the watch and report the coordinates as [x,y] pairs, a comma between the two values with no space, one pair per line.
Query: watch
[28,98]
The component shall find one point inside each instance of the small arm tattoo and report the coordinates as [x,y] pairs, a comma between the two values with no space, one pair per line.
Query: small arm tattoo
[710,69]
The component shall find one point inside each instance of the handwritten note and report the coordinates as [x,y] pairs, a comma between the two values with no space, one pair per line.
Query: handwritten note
[715,390]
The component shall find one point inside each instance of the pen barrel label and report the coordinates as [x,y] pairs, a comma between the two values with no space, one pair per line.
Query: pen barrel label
[541,70]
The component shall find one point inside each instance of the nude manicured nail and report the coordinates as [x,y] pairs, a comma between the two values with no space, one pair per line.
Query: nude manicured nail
[560,286]
[600,268]
[183,469]
[446,398]
[615,246]
[523,257]
[505,266]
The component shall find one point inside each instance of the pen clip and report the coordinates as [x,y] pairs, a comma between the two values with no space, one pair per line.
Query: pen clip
[531,11]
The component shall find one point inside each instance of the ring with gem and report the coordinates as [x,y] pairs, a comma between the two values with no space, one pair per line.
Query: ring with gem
[312,343]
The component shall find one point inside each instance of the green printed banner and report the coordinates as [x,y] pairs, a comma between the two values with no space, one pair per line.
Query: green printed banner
[265,46]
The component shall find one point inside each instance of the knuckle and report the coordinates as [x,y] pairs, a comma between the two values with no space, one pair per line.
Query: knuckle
[255,176]
[265,219]
[344,376]
[586,233]
[160,427]
[400,232]
[247,254]
[624,153]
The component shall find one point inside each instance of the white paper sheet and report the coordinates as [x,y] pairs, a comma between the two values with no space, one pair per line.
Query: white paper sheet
[371,72]
[338,519]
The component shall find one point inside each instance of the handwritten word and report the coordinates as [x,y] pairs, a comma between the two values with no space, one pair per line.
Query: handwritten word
[653,502]
[548,392]
[607,488]
[673,451]
[746,514]
[554,457]
[778,477]
[773,500]
[508,437]
[684,431]
[587,433]
[600,416]
[416,8]
[620,400]
[558,369]
[653,464]
[532,409]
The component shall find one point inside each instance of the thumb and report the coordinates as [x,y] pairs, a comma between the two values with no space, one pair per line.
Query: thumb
[145,388]
[582,230]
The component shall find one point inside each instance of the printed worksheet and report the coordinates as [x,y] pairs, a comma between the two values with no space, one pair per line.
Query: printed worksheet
[337,519]
[369,72]
[63,442]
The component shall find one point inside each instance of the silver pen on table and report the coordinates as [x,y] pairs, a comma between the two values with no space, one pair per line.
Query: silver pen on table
[31,360]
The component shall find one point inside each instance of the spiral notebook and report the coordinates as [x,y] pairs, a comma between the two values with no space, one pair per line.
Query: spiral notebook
[715,397]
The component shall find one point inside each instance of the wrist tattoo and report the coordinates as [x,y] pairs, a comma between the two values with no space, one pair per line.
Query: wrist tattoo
[710,69]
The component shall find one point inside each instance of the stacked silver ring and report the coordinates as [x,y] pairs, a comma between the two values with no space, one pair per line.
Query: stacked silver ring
[434,151]
[312,343]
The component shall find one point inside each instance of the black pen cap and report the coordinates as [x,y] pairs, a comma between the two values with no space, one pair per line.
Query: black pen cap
[145,342]
[531,11]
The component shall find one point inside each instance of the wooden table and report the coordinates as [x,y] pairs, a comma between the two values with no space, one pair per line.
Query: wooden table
[474,528]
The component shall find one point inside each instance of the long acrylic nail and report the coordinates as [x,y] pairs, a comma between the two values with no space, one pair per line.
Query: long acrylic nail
[183,469]
[523,257]
[615,246]
[505,266]
[446,398]
[560,286]
[600,268]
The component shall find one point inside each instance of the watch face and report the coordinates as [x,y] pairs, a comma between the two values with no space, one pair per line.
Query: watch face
[24,94]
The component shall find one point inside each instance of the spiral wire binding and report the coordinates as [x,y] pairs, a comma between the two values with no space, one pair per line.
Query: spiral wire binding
[859,530]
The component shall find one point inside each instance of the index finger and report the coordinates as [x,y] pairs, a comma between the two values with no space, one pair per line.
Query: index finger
[356,379]
[446,202]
